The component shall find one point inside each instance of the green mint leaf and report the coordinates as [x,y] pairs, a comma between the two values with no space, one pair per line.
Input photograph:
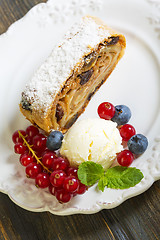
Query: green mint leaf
[89,173]
[122,177]
[102,183]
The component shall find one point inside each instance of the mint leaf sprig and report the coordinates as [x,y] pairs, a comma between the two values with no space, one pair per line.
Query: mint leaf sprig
[116,177]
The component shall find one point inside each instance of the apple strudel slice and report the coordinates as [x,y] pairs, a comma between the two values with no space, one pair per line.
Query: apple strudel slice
[61,88]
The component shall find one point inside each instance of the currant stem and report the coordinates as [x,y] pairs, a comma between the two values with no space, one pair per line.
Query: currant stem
[32,151]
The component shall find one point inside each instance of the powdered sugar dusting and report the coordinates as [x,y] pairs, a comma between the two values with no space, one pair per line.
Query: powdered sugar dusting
[57,68]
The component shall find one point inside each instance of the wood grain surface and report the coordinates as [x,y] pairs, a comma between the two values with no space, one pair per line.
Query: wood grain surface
[137,218]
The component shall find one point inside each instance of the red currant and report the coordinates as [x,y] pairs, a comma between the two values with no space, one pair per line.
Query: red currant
[16,138]
[49,151]
[127,131]
[71,171]
[48,159]
[33,169]
[63,196]
[71,184]
[32,131]
[42,180]
[19,148]
[26,159]
[38,153]
[60,164]
[29,140]
[26,151]
[82,189]
[125,158]
[57,178]
[53,189]
[39,142]
[106,110]
[74,194]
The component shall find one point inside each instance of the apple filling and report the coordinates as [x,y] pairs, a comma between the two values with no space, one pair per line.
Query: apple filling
[81,86]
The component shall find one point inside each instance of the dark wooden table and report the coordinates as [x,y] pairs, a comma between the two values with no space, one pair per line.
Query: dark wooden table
[137,218]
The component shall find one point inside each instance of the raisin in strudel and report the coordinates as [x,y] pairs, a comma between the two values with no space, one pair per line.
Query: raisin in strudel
[63,85]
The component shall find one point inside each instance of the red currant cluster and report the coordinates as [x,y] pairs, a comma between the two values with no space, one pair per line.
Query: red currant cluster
[45,166]
[137,143]
[126,157]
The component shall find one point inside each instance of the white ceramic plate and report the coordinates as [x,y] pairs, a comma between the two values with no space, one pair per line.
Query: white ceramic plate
[135,82]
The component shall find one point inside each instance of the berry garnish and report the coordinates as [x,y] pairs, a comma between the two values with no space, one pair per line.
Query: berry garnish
[122,114]
[39,142]
[42,180]
[71,184]
[48,159]
[57,178]
[137,144]
[43,165]
[32,131]
[34,154]
[19,148]
[82,189]
[63,196]
[106,110]
[48,151]
[127,131]
[53,189]
[29,140]
[33,169]
[125,158]
[71,171]
[60,164]
[16,137]
[26,159]
[54,140]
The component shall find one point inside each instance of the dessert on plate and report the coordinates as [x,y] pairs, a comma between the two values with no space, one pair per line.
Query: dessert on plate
[55,97]
[61,88]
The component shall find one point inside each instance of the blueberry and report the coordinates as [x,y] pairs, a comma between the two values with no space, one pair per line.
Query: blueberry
[122,114]
[54,140]
[137,144]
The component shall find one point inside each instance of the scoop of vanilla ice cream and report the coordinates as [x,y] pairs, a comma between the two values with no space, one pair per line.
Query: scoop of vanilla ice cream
[96,140]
